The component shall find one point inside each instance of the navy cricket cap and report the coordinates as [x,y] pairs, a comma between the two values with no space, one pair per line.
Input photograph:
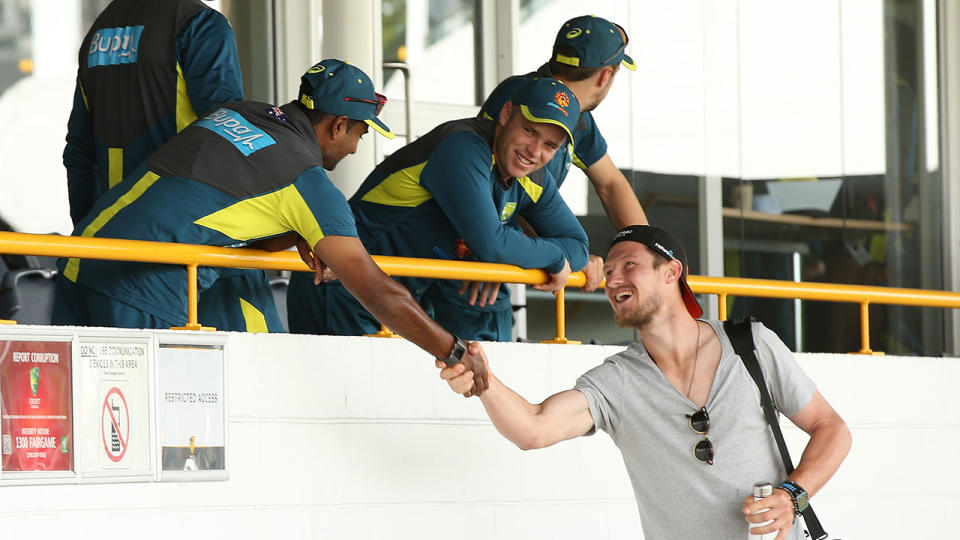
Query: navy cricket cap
[597,42]
[337,87]
[548,101]
[664,244]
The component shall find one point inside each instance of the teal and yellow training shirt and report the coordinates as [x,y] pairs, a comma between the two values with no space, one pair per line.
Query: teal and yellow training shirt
[245,172]
[441,196]
[146,70]
[588,143]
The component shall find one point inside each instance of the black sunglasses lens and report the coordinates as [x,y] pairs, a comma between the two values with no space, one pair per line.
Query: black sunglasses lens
[700,421]
[704,451]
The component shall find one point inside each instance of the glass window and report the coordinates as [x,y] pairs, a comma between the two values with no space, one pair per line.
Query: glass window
[436,39]
[819,120]
[863,209]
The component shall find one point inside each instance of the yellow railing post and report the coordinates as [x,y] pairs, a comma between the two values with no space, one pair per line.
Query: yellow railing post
[192,323]
[865,329]
[5,321]
[722,306]
[384,332]
[561,322]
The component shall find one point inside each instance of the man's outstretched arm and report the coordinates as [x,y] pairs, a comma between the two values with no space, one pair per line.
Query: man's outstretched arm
[560,417]
[391,303]
[618,199]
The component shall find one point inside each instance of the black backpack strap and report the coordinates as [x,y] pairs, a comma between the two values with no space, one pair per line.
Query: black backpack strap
[740,333]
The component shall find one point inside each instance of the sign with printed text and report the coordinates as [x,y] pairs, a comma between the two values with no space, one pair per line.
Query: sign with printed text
[114,436]
[36,404]
[192,415]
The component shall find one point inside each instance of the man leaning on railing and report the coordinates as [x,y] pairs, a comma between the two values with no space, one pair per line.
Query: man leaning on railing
[455,194]
[247,173]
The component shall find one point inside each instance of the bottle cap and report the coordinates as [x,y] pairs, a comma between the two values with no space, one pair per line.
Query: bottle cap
[762,489]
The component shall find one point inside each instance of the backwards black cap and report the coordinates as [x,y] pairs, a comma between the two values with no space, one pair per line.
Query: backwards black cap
[664,244]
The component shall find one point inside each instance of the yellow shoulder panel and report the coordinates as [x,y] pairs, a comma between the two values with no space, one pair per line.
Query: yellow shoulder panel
[531,187]
[401,188]
[134,193]
[266,215]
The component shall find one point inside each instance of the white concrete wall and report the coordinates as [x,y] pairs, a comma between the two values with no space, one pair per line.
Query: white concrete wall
[358,438]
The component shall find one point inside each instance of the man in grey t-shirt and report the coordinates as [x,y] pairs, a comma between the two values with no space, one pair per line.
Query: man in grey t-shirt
[681,407]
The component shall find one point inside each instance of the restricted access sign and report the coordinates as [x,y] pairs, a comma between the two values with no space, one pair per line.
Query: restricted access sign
[36,405]
[114,435]
[192,417]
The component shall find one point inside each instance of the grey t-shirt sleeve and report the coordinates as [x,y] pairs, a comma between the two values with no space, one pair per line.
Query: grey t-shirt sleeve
[790,387]
[603,388]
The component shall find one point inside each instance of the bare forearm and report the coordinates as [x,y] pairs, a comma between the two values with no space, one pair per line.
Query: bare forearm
[512,415]
[277,243]
[616,194]
[621,205]
[828,446]
[387,300]
[396,308]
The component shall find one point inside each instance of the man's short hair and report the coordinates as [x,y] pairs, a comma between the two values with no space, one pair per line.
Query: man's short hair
[658,260]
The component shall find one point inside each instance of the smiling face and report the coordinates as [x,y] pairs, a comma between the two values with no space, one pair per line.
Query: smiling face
[635,283]
[521,146]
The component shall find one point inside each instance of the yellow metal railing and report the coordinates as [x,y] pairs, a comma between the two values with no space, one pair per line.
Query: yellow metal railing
[192,256]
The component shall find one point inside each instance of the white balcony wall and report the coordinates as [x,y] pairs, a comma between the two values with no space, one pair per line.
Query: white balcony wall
[357,438]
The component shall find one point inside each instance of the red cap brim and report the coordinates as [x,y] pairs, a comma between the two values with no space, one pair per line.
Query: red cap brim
[690,300]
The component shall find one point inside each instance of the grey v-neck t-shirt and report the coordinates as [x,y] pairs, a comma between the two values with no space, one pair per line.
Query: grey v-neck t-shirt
[677,495]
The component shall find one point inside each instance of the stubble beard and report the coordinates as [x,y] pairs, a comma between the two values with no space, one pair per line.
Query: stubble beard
[330,159]
[640,316]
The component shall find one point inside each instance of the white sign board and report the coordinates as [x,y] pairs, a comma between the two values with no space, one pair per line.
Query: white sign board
[113,408]
[192,415]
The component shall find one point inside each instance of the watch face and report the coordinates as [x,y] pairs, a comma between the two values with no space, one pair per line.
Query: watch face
[802,502]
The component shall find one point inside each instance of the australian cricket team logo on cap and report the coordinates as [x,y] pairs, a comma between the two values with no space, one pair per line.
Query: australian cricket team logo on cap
[337,87]
[664,244]
[549,101]
[597,42]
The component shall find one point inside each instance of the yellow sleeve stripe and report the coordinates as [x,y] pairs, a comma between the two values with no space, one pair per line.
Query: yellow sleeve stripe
[134,193]
[401,188]
[255,320]
[114,166]
[576,159]
[266,215]
[185,113]
[84,95]
[531,187]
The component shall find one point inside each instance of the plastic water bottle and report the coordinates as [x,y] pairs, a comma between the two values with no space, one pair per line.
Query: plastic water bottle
[761,490]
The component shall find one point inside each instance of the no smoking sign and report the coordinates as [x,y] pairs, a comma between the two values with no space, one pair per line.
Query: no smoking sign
[115,425]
